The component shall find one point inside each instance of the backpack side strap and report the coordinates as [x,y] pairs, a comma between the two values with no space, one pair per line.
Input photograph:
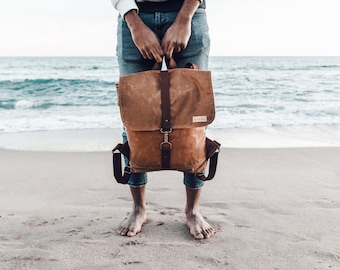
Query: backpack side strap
[117,152]
[212,151]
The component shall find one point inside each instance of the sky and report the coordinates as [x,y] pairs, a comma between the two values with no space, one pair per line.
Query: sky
[237,27]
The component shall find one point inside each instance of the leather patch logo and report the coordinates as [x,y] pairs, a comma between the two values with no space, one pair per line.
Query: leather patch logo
[200,119]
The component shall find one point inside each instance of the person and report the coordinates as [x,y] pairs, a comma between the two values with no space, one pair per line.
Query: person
[148,31]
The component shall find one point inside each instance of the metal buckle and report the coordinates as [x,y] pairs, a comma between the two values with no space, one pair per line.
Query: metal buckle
[166,144]
[127,170]
[166,131]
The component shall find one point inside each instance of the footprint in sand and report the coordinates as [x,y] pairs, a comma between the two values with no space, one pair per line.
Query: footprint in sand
[38,222]
[327,204]
[131,243]
[124,198]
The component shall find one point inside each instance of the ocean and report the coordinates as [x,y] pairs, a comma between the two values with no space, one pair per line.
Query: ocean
[70,103]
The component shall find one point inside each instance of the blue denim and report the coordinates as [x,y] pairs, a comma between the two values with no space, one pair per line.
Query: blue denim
[131,61]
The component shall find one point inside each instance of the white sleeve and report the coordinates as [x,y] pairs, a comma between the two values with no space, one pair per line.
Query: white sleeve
[124,6]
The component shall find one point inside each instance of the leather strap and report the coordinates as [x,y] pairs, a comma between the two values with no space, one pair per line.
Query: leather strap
[212,151]
[165,100]
[117,163]
[165,146]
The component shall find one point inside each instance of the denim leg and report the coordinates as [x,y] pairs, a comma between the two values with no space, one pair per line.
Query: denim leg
[130,61]
[196,52]
[191,181]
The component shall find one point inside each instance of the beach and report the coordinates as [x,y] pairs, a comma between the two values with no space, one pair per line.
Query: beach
[274,208]
[275,200]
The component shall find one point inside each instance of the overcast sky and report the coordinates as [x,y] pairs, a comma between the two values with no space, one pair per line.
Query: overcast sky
[237,27]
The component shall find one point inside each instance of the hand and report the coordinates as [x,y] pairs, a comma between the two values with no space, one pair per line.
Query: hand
[176,37]
[147,43]
[145,40]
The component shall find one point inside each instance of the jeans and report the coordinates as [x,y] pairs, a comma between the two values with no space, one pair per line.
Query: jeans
[131,61]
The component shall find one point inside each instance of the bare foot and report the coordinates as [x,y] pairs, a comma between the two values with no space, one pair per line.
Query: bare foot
[133,224]
[198,227]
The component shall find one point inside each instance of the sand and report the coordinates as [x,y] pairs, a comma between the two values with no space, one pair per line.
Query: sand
[272,209]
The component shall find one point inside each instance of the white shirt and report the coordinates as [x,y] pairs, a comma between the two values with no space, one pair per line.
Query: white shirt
[124,6]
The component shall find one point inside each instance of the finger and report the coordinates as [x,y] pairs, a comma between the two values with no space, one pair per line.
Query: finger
[143,53]
[158,54]
[149,55]
[158,58]
[181,46]
[167,49]
[170,53]
[177,47]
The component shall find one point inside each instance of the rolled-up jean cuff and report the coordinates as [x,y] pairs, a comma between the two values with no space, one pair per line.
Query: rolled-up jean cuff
[191,181]
[133,186]
[138,180]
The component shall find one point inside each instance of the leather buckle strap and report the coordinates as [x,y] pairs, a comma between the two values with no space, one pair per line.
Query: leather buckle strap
[165,147]
[117,152]
[166,144]
[165,100]
[212,151]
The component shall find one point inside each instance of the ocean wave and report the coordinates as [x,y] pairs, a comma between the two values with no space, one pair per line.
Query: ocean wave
[24,104]
[35,88]
[46,81]
[46,93]
[249,92]
[310,68]
[35,105]
[79,67]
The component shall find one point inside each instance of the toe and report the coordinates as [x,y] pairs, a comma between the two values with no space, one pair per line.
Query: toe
[122,231]
[132,232]
[199,236]
[119,230]
[208,233]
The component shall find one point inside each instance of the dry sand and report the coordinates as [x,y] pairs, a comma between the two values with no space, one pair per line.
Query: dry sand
[272,208]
